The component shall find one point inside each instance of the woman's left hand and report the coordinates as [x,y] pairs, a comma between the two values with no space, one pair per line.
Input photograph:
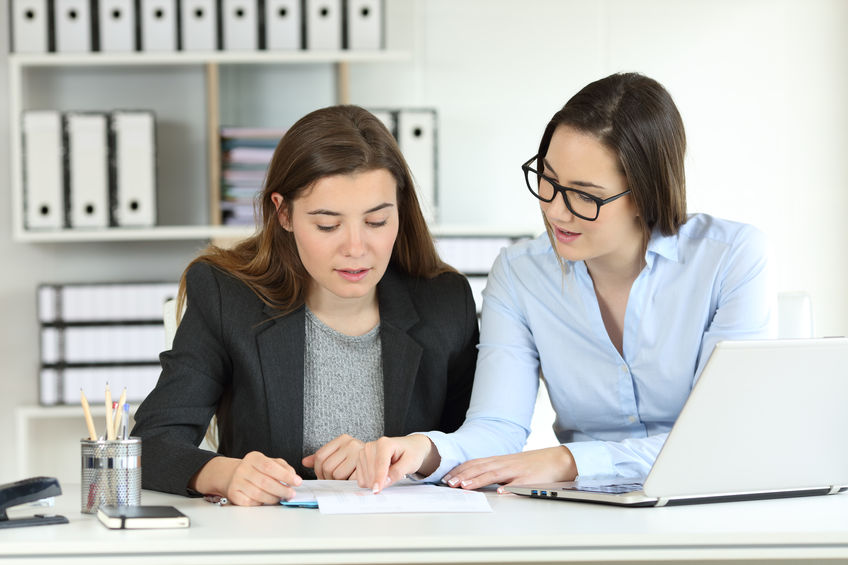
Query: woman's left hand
[552,464]
[336,459]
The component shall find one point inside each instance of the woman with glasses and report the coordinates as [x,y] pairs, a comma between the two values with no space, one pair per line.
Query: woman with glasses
[334,324]
[618,308]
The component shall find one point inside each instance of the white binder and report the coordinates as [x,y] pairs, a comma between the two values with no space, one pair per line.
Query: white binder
[416,131]
[324,24]
[364,24]
[199,22]
[240,25]
[87,188]
[117,25]
[29,26]
[283,25]
[73,26]
[158,25]
[133,191]
[44,202]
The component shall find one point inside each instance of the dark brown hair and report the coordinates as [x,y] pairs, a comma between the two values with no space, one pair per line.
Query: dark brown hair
[635,117]
[337,140]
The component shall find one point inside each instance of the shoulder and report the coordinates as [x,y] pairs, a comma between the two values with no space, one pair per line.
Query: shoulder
[529,258]
[709,228]
[443,286]
[204,282]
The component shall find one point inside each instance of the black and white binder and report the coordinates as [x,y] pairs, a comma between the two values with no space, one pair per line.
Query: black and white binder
[416,133]
[132,168]
[44,200]
[73,25]
[158,25]
[283,25]
[239,25]
[364,24]
[30,26]
[117,27]
[199,25]
[87,169]
[323,24]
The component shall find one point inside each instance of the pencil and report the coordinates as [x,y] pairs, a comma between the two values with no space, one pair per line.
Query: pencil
[92,433]
[121,401]
[110,426]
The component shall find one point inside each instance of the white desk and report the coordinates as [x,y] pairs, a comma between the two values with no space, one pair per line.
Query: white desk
[519,530]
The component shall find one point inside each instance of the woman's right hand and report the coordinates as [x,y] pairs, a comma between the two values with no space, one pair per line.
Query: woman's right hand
[389,459]
[251,481]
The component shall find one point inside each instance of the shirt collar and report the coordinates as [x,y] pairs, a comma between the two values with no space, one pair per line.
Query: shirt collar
[662,245]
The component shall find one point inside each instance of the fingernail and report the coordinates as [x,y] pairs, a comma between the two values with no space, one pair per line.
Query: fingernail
[501,490]
[465,483]
[375,489]
[446,479]
[388,481]
[452,482]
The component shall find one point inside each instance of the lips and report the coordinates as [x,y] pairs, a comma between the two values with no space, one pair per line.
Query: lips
[353,275]
[565,236]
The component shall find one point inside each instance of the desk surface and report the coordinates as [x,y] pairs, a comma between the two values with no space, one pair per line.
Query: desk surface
[518,530]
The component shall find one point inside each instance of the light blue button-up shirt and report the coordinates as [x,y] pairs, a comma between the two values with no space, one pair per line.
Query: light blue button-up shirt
[707,283]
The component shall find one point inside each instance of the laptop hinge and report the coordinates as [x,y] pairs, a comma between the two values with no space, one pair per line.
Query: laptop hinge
[834,489]
[661,502]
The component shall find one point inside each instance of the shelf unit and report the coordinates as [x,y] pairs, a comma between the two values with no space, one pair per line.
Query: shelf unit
[209,62]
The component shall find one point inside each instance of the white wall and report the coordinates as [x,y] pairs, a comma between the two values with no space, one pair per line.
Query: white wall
[760,85]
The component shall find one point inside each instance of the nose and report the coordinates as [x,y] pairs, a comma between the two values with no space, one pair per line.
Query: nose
[354,245]
[557,209]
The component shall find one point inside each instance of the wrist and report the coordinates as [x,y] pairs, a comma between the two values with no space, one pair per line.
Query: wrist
[567,465]
[431,458]
[215,476]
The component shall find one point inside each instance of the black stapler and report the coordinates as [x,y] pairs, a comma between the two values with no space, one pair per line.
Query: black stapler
[28,490]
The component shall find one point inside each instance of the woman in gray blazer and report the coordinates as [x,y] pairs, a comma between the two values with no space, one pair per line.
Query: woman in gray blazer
[335,324]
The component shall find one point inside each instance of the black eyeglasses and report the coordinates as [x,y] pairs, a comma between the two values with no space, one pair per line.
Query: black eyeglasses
[581,204]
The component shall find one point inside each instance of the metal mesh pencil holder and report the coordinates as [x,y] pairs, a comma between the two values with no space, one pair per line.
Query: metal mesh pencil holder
[111,473]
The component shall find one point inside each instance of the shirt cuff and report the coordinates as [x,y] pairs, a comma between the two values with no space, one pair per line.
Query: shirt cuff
[592,458]
[448,456]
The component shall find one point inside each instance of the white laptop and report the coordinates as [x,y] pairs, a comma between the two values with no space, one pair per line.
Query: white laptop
[766,419]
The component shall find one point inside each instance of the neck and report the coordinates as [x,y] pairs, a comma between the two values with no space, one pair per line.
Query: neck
[619,268]
[350,316]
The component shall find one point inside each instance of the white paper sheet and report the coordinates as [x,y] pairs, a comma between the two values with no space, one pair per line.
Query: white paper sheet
[345,497]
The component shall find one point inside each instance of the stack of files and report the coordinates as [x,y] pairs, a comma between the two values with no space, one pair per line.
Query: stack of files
[92,334]
[245,156]
[88,169]
[416,132]
[473,256]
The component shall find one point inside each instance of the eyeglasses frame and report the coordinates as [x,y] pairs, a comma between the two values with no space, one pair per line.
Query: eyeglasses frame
[559,189]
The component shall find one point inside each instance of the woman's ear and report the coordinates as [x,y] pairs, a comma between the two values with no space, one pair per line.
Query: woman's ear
[282,210]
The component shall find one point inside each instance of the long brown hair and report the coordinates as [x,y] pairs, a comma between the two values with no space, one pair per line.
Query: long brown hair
[636,118]
[331,141]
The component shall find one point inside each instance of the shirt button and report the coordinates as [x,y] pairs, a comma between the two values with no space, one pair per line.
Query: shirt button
[623,368]
[631,419]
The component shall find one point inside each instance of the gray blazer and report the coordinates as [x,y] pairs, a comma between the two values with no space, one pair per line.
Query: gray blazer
[233,357]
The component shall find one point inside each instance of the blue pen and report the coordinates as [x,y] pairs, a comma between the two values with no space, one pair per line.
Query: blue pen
[125,421]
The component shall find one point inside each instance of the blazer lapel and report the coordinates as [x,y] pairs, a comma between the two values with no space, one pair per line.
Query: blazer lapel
[281,348]
[401,353]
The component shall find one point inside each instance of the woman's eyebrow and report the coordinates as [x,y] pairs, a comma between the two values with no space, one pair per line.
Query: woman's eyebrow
[325,212]
[581,183]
